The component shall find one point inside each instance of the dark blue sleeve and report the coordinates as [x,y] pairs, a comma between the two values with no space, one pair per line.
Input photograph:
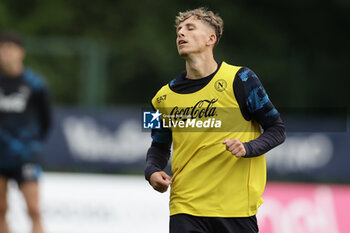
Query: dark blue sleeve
[42,100]
[159,152]
[44,111]
[256,105]
[161,135]
[157,158]
[253,99]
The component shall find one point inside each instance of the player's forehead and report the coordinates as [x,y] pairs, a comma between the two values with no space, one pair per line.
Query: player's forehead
[193,20]
[9,44]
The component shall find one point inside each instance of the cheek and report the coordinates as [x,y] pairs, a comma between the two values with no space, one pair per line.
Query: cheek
[3,57]
[12,56]
[201,39]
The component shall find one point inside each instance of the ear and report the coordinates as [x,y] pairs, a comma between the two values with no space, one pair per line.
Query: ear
[212,39]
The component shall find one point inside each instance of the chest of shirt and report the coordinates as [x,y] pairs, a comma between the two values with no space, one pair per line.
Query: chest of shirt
[14,96]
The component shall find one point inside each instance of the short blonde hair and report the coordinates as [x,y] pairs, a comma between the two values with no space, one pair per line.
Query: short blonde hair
[207,16]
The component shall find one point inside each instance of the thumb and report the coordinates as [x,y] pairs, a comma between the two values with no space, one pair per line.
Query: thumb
[166,177]
[225,141]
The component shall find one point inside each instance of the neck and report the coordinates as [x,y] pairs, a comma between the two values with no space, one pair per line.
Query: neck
[200,66]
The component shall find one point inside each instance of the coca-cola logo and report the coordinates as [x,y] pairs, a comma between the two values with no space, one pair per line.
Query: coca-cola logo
[202,109]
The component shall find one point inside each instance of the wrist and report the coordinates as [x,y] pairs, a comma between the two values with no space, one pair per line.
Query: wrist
[149,171]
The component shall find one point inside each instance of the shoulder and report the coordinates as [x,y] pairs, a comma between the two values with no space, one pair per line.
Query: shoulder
[160,95]
[228,72]
[173,84]
[163,90]
[167,88]
[229,68]
[248,80]
[245,74]
[33,79]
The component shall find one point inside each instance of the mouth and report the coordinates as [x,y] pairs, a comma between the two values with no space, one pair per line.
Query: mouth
[181,42]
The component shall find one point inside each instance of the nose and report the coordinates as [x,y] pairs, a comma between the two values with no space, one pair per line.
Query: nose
[180,33]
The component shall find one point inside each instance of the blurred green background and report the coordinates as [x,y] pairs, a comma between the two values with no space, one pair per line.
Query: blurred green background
[107,53]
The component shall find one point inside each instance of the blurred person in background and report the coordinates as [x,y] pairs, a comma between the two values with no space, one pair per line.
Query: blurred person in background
[219,176]
[25,119]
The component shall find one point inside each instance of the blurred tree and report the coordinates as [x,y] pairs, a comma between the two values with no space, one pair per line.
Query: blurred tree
[298,48]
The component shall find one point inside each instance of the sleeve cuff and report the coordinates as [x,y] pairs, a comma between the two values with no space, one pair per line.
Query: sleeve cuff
[149,171]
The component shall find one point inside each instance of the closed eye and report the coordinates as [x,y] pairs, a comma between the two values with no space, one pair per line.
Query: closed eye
[191,27]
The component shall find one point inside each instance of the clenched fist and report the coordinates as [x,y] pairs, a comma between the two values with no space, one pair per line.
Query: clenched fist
[160,181]
[235,146]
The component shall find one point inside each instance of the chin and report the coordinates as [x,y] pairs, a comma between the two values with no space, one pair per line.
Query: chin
[183,53]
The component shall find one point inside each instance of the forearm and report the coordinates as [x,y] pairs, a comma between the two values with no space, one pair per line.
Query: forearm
[157,158]
[270,138]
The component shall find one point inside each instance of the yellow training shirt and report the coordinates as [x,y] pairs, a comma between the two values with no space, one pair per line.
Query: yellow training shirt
[207,179]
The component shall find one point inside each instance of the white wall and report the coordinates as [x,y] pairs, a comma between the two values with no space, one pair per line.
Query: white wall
[74,203]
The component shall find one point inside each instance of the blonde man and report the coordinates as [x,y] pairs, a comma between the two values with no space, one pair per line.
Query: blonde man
[219,169]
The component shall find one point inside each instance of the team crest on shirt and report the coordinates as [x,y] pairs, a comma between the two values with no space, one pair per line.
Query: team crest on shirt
[220,85]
